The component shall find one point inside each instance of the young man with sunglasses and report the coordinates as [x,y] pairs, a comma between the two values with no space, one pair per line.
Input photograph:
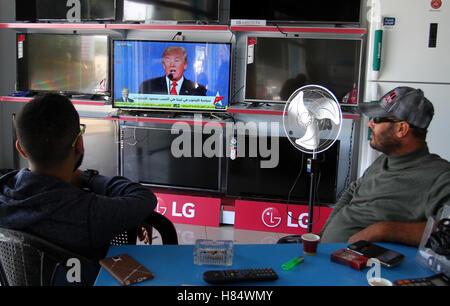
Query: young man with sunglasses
[403,187]
[53,199]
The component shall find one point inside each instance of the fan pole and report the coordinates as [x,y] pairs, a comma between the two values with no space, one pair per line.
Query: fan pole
[311,168]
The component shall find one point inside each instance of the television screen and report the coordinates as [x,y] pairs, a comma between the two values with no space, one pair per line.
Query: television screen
[324,11]
[179,10]
[73,64]
[147,158]
[282,65]
[25,10]
[247,178]
[171,75]
[81,10]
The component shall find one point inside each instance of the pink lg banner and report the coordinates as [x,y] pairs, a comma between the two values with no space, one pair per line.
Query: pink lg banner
[189,209]
[279,218]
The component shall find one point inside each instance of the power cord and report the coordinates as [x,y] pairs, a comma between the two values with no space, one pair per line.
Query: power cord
[316,193]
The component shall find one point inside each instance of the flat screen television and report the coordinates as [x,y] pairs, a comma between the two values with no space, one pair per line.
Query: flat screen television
[89,10]
[171,10]
[144,72]
[25,10]
[298,11]
[246,177]
[66,63]
[147,158]
[281,65]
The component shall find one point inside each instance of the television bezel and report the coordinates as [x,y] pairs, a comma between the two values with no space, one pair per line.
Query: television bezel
[321,37]
[107,91]
[81,19]
[25,9]
[122,18]
[165,109]
[277,196]
[313,22]
[220,168]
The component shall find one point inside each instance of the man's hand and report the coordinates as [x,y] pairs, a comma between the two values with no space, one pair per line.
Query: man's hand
[77,178]
[409,233]
[373,232]
[143,236]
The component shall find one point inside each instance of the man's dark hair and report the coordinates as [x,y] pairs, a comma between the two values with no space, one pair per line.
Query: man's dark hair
[46,128]
[419,132]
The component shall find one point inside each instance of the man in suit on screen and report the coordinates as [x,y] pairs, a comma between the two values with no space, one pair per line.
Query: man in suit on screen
[125,94]
[174,60]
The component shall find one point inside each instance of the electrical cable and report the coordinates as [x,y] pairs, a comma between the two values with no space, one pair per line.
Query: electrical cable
[292,188]
[178,34]
[279,29]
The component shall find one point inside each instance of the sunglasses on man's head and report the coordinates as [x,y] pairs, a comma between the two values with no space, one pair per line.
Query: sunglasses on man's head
[82,130]
[384,119]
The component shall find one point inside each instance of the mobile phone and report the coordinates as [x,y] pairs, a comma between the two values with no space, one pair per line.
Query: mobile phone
[125,269]
[387,258]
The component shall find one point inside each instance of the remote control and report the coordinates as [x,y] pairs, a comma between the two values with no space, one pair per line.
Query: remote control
[239,276]
[434,280]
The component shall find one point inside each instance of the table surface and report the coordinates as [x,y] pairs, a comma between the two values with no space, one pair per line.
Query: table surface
[173,265]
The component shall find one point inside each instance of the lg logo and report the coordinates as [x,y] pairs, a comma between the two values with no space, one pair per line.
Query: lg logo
[161,207]
[271,217]
[302,220]
[187,210]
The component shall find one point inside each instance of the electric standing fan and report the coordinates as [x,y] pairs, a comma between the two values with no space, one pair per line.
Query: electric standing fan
[312,121]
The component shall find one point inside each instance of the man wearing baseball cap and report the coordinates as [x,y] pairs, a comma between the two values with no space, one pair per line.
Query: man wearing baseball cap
[404,186]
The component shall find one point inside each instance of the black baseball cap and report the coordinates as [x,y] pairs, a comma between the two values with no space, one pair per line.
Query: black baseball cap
[405,103]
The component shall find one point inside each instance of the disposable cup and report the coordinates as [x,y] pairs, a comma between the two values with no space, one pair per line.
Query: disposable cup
[310,242]
[378,281]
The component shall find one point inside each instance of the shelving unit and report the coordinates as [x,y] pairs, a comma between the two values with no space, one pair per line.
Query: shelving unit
[271,111]
[122,29]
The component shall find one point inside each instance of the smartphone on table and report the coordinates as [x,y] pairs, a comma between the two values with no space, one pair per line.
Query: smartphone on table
[387,258]
[125,269]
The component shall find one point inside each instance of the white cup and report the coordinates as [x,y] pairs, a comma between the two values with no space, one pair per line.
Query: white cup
[379,281]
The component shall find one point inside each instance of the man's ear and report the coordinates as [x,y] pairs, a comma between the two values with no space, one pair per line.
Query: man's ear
[402,129]
[19,148]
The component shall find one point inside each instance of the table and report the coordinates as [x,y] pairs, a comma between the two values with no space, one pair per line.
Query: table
[173,265]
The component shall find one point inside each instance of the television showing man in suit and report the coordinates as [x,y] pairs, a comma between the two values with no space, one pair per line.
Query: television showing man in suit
[174,61]
[125,94]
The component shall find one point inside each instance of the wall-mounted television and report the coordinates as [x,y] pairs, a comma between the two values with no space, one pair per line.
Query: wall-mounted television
[298,11]
[25,10]
[147,158]
[89,10]
[279,66]
[171,10]
[66,63]
[246,177]
[171,75]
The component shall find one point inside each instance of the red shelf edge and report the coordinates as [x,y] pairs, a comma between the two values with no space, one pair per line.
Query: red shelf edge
[277,113]
[52,26]
[162,120]
[360,31]
[254,112]
[299,29]
[24,99]
[167,27]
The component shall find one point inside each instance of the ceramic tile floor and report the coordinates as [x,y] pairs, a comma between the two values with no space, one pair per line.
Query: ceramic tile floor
[188,234]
